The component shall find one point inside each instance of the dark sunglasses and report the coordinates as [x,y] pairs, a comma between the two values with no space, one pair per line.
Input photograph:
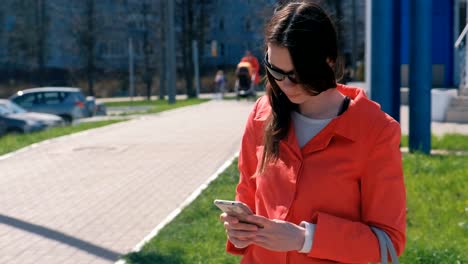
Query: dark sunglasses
[278,74]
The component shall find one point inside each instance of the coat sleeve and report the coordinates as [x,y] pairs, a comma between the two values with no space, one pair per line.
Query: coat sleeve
[247,164]
[383,204]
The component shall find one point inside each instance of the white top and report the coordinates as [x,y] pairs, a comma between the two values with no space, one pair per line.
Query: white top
[306,128]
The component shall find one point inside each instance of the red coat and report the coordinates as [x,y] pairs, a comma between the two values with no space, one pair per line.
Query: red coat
[346,178]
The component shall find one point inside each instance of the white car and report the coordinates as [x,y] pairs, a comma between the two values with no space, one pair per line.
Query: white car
[12,110]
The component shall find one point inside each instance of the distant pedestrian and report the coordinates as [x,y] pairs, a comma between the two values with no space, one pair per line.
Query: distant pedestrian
[250,58]
[320,163]
[220,83]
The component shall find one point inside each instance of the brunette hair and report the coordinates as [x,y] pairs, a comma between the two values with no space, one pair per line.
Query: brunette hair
[309,34]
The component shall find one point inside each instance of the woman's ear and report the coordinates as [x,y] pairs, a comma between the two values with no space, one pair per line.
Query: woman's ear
[331,63]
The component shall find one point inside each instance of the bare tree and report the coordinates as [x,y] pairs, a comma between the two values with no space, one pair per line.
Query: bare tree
[40,18]
[149,23]
[202,13]
[26,41]
[162,32]
[87,40]
[337,9]
[194,25]
[187,38]
[82,37]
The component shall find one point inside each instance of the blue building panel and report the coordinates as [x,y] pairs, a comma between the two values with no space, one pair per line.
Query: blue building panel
[442,36]
[405,34]
[442,21]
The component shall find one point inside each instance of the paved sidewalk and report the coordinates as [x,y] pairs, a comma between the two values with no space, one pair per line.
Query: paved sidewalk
[90,197]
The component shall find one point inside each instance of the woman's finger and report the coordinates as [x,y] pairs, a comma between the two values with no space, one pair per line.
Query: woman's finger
[258,220]
[239,234]
[240,226]
[227,218]
[239,243]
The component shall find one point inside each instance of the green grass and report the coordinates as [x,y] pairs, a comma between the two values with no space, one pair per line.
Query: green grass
[437,222]
[437,219]
[14,142]
[447,142]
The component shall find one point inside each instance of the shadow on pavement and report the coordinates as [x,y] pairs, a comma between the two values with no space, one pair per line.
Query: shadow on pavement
[61,237]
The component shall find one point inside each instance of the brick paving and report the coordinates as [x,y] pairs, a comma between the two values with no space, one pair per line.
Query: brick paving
[93,196]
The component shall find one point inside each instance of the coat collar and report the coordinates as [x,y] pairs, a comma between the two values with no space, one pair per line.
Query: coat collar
[346,125]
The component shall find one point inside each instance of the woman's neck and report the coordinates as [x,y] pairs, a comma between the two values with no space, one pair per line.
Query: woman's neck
[323,106]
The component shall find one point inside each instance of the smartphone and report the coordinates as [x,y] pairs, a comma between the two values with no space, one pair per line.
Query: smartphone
[234,208]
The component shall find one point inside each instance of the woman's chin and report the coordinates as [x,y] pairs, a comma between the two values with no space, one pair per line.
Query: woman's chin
[296,99]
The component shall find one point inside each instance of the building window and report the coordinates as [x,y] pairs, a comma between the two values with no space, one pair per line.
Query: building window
[103,50]
[248,25]
[140,50]
[113,49]
[221,24]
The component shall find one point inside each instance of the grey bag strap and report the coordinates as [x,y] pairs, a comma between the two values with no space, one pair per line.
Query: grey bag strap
[385,245]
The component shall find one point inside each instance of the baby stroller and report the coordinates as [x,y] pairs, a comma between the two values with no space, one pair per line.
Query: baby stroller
[245,84]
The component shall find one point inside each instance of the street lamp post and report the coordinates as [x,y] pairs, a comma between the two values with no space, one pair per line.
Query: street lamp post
[382,62]
[196,67]
[171,56]
[420,80]
[131,74]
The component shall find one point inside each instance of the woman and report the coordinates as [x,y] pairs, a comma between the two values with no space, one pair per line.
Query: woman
[219,81]
[320,163]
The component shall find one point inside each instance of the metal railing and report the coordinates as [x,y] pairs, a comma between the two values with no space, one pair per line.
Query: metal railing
[462,54]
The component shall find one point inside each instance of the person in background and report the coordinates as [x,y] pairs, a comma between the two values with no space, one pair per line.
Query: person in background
[248,57]
[320,163]
[220,82]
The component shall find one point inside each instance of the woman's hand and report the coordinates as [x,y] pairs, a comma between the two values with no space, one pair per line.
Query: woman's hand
[240,234]
[277,235]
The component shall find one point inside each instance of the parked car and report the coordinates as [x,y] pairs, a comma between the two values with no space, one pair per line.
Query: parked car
[13,110]
[18,124]
[3,127]
[69,103]
[95,107]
